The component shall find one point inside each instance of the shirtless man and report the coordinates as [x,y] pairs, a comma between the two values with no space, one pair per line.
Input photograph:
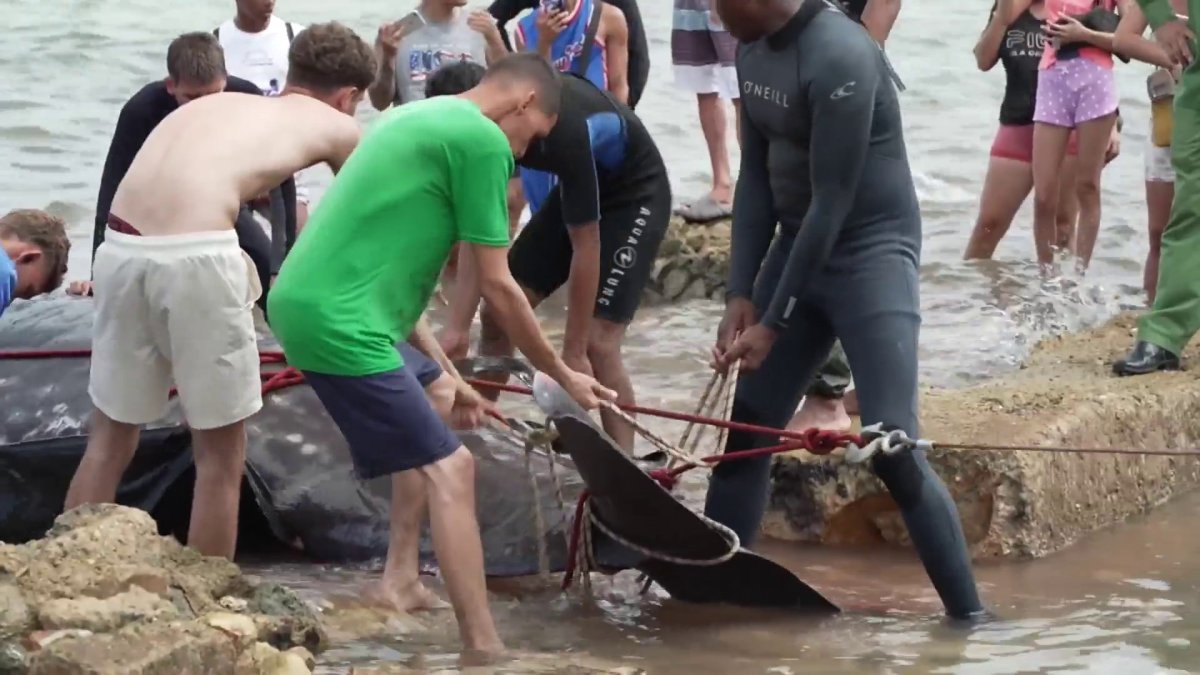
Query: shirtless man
[826,243]
[173,289]
[195,68]
[374,249]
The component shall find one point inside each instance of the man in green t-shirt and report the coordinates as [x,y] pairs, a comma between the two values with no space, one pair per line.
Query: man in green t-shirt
[425,176]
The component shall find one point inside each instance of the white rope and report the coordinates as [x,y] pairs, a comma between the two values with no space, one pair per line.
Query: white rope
[729,535]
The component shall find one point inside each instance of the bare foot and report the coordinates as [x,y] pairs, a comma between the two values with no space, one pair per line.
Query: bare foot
[414,597]
[484,654]
[721,194]
[821,413]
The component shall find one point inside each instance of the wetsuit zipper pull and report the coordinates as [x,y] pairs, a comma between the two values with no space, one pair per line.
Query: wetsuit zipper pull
[892,71]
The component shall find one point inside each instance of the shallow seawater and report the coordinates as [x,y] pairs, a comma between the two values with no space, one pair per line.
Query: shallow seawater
[1123,601]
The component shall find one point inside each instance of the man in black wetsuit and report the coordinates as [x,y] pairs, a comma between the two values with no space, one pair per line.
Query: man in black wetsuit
[639,51]
[823,157]
[598,233]
[195,68]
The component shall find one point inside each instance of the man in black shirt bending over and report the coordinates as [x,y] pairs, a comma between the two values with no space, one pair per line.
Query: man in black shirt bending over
[598,233]
[195,68]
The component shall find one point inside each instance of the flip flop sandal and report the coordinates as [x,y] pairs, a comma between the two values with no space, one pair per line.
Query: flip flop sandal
[704,210]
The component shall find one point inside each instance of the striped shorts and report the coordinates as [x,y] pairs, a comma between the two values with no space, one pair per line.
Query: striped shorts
[702,52]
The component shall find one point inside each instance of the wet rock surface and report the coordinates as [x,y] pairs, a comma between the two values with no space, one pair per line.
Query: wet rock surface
[104,593]
[1019,504]
[692,263]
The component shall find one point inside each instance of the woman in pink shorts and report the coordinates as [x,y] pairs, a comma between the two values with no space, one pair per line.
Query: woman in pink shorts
[1076,91]
[1015,39]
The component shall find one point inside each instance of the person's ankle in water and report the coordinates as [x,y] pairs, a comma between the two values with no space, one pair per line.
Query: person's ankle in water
[821,413]
[404,596]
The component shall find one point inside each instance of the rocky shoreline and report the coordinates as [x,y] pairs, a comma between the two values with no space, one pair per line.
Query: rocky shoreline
[102,592]
[692,264]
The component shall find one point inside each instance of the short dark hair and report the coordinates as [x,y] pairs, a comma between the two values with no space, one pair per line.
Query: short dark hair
[454,78]
[329,56]
[196,58]
[45,231]
[534,69]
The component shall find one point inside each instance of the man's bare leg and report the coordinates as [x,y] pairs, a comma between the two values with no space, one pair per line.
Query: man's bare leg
[737,115]
[401,589]
[459,549]
[604,353]
[220,456]
[714,126]
[110,448]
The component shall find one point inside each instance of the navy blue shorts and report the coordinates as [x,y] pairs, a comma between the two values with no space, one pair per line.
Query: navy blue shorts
[386,419]
[425,369]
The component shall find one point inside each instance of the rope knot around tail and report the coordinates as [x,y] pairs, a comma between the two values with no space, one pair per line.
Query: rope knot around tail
[825,441]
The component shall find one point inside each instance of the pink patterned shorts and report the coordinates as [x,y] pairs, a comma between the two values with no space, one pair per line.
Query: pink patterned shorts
[1074,91]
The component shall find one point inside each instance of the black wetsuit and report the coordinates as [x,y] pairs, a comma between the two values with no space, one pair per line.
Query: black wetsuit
[609,171]
[823,156]
[639,49]
[139,116]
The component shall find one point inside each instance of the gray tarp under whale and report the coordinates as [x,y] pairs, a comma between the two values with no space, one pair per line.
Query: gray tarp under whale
[303,488]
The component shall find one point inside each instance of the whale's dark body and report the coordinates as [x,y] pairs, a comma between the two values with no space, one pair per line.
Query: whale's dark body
[300,488]
[300,491]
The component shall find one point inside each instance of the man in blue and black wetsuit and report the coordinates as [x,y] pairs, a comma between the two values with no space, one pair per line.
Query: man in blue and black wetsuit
[823,157]
[598,233]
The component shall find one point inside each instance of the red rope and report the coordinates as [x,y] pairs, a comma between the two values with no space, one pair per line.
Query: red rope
[816,441]
[821,441]
[272,381]
[573,545]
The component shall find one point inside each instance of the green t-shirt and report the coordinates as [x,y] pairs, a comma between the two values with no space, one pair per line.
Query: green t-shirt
[424,176]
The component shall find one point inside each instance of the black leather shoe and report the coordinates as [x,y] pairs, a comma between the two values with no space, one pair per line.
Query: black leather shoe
[1146,358]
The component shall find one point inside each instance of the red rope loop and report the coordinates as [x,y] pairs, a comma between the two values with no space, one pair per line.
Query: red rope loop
[824,441]
[666,478]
